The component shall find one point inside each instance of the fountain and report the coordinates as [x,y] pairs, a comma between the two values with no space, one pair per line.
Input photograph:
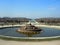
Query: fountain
[29,29]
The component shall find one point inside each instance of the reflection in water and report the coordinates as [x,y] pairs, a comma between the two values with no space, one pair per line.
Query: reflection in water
[29,34]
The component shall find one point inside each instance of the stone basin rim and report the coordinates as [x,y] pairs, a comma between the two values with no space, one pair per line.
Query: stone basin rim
[30,37]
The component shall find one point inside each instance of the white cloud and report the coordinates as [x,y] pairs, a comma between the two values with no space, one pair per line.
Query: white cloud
[51,8]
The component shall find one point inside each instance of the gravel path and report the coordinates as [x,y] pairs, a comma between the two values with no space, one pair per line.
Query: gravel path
[6,42]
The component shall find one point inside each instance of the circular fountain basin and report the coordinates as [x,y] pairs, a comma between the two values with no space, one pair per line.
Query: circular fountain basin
[47,32]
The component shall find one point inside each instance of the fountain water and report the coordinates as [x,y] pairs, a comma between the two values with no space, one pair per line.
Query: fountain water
[29,29]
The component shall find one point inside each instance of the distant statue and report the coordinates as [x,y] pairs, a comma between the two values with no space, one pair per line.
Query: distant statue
[30,23]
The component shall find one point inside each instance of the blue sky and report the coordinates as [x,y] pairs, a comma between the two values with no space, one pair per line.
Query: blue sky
[30,8]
